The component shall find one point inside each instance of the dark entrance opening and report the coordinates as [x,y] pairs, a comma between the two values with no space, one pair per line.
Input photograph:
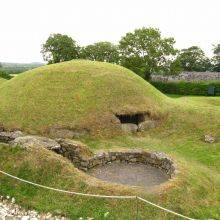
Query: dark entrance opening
[131,118]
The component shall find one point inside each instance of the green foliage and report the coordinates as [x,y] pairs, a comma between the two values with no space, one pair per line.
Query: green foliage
[101,51]
[216,58]
[4,74]
[145,51]
[59,48]
[186,88]
[175,67]
[194,59]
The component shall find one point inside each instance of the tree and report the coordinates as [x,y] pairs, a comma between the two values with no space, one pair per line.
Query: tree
[101,51]
[173,67]
[59,48]
[216,58]
[145,51]
[194,59]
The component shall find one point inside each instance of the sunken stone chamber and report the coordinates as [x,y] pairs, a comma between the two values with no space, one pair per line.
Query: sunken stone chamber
[155,159]
[73,151]
[81,156]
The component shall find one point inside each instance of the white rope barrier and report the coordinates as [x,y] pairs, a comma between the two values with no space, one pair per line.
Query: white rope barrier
[65,191]
[95,195]
[167,210]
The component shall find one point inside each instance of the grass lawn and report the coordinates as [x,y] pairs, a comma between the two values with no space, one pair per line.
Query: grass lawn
[204,101]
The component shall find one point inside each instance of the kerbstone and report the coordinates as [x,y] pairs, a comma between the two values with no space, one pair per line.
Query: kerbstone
[7,136]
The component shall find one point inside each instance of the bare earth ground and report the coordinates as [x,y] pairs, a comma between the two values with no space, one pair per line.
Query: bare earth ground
[130,174]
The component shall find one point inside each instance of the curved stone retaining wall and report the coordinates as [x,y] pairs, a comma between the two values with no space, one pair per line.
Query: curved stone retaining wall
[156,159]
[80,155]
[84,159]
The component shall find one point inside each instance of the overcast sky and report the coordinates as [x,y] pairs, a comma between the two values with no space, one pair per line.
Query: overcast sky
[26,24]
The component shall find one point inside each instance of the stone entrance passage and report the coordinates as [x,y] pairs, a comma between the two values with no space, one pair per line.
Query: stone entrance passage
[132,123]
[131,118]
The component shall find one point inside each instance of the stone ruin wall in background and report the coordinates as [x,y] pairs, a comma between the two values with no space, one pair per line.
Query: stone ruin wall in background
[188,76]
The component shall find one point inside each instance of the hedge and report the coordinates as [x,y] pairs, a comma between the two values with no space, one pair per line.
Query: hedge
[186,88]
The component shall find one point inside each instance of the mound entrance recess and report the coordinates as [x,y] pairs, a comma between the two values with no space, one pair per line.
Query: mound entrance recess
[131,118]
[135,122]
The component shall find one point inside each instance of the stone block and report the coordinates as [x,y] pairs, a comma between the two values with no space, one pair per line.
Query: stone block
[129,128]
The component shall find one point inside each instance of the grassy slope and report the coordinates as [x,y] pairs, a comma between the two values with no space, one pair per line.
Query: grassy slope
[2,80]
[195,193]
[43,97]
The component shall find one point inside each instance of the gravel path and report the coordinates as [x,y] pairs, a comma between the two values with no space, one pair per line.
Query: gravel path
[11,211]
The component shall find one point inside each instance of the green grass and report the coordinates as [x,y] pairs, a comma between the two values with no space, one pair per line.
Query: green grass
[2,80]
[204,101]
[194,192]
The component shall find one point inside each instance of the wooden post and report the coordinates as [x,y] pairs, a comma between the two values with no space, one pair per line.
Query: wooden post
[137,208]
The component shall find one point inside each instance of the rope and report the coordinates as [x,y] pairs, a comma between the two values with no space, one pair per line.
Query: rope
[68,192]
[167,210]
[95,195]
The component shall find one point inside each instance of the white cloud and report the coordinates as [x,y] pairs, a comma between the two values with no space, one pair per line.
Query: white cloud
[26,24]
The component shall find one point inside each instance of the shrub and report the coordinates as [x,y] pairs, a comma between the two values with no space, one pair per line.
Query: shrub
[186,88]
[4,75]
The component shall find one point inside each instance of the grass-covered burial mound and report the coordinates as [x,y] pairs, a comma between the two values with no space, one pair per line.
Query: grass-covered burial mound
[79,97]
[2,80]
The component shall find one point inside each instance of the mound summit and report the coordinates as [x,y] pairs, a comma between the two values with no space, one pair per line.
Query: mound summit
[78,97]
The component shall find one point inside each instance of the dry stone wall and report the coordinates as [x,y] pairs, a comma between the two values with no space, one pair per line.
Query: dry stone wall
[156,159]
[82,158]
[188,77]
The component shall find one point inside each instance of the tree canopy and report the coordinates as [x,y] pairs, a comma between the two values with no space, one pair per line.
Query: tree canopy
[101,51]
[145,51]
[216,58]
[59,48]
[193,59]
